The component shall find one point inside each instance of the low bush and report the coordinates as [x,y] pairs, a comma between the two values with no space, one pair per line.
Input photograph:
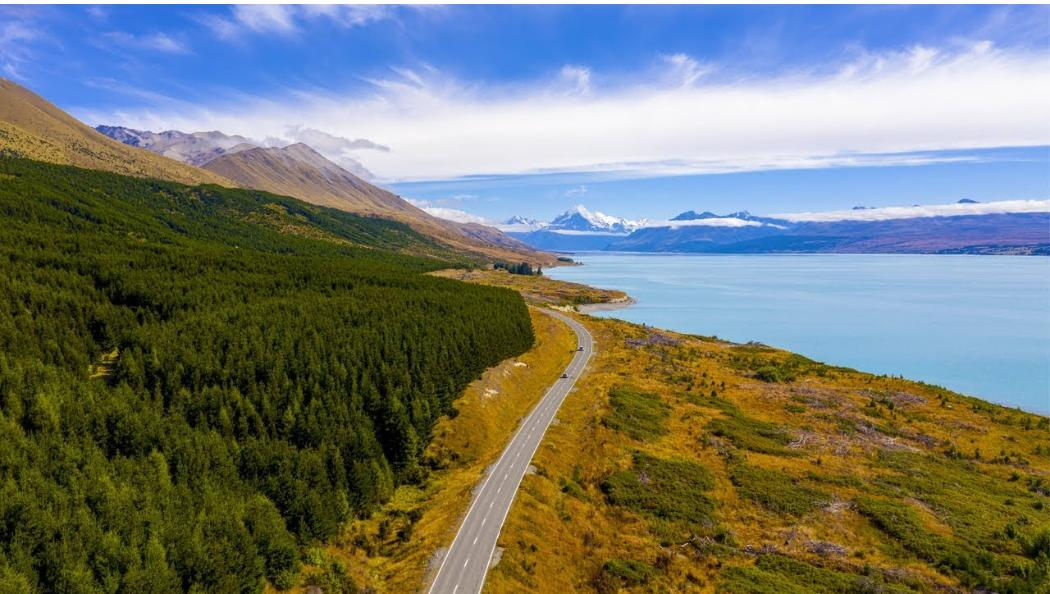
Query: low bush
[776,491]
[641,415]
[619,573]
[671,490]
[903,525]
[779,574]
[751,434]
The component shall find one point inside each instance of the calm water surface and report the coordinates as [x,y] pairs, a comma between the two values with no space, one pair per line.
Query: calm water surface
[979,325]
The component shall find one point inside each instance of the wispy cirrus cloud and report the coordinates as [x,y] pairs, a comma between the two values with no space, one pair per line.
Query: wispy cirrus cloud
[287,20]
[15,36]
[684,70]
[160,42]
[677,117]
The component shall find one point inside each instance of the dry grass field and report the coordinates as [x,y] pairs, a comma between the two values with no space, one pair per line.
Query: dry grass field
[683,463]
[538,290]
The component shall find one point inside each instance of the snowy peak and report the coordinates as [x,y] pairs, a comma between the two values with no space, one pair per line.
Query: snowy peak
[692,215]
[520,220]
[708,218]
[196,148]
[520,224]
[580,219]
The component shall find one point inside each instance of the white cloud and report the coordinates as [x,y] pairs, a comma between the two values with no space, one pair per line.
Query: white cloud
[520,227]
[453,214]
[99,13]
[684,70]
[911,212]
[450,214]
[577,78]
[285,20]
[265,18]
[326,142]
[349,15]
[577,191]
[889,108]
[15,35]
[152,41]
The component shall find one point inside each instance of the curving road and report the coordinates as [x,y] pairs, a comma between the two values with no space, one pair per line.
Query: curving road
[467,561]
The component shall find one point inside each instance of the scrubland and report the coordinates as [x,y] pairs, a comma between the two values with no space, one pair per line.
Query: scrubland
[686,463]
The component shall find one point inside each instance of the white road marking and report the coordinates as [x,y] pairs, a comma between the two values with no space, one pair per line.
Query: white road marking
[467,561]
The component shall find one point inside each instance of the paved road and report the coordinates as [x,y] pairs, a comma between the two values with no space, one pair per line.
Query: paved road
[467,561]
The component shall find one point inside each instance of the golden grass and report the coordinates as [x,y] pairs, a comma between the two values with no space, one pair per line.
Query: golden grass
[32,128]
[556,539]
[538,290]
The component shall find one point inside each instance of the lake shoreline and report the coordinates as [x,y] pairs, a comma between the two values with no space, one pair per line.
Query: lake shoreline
[620,303]
[890,315]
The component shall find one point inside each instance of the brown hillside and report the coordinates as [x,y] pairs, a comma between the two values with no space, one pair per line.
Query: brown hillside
[301,172]
[33,128]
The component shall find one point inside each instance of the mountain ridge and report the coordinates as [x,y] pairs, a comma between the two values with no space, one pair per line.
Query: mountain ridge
[195,148]
[33,128]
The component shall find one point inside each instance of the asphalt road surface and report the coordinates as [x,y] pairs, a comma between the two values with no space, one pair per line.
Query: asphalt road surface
[467,561]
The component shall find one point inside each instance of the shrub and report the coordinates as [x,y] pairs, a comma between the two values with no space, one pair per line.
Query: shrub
[900,522]
[776,491]
[641,415]
[751,434]
[779,574]
[618,573]
[671,490]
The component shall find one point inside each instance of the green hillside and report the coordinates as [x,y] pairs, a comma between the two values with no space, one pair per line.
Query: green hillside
[196,382]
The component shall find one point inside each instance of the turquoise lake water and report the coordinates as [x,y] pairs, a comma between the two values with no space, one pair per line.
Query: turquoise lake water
[978,325]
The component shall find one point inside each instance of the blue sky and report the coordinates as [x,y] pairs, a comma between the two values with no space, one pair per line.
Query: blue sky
[635,111]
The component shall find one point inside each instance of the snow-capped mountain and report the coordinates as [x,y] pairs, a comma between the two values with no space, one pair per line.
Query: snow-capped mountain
[196,148]
[581,220]
[575,221]
[520,224]
[520,220]
[707,218]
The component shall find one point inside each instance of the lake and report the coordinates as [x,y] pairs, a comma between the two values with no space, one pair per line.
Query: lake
[978,325]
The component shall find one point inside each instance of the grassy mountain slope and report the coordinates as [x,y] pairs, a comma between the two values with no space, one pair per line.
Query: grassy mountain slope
[198,383]
[685,463]
[297,170]
[31,127]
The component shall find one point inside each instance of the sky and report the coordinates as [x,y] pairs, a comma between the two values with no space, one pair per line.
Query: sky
[483,112]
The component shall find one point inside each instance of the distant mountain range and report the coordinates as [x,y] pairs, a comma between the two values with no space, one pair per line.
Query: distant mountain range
[1010,227]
